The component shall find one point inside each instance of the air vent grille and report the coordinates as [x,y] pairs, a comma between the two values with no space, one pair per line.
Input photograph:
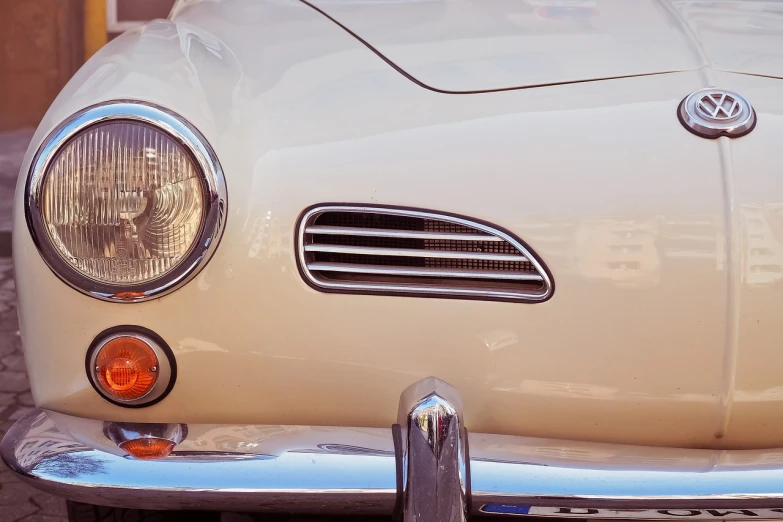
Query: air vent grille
[395,251]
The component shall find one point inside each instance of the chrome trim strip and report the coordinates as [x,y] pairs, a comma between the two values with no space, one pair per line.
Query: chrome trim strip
[434,453]
[411,252]
[403,234]
[337,470]
[185,134]
[433,289]
[421,272]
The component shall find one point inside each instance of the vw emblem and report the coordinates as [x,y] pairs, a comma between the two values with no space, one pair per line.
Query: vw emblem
[711,113]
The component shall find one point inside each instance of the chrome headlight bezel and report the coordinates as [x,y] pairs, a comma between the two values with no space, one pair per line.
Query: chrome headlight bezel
[179,130]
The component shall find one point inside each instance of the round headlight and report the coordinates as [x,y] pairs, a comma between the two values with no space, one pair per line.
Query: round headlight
[125,201]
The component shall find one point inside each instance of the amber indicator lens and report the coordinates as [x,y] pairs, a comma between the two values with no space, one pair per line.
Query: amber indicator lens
[147,448]
[126,368]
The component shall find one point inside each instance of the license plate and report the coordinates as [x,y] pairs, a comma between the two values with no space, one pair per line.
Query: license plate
[644,514]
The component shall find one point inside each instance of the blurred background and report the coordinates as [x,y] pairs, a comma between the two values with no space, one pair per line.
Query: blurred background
[44,42]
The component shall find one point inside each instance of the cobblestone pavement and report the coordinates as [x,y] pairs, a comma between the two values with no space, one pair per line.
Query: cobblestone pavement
[13,145]
[18,501]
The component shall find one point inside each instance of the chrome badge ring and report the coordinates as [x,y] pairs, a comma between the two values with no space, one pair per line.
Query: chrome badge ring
[711,113]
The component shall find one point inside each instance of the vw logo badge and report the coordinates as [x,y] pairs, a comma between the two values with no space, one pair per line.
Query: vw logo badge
[711,113]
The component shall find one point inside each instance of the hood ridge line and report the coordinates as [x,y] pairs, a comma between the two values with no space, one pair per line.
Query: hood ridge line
[733,260]
[479,91]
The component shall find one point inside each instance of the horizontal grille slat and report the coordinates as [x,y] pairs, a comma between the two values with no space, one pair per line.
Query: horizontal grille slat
[403,234]
[391,251]
[410,252]
[423,272]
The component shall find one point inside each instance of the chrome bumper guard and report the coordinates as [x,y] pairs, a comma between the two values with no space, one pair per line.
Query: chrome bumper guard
[420,470]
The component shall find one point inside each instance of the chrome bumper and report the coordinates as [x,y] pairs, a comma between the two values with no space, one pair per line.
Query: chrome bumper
[421,469]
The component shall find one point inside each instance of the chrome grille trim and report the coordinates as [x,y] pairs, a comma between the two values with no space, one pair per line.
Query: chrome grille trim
[410,252]
[440,256]
[406,234]
[422,272]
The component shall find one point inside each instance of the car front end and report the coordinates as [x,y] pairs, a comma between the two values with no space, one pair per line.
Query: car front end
[410,259]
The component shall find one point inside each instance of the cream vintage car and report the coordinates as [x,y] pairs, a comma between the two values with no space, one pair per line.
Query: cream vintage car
[424,259]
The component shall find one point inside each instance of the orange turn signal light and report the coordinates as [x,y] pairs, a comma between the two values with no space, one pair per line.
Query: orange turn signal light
[126,368]
[147,448]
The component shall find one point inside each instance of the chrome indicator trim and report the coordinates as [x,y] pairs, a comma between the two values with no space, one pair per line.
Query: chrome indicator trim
[119,432]
[166,371]
[215,198]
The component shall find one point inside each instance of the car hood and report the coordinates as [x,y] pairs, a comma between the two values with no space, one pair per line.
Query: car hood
[485,45]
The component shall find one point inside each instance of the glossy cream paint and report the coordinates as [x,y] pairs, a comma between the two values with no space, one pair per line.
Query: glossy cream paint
[666,249]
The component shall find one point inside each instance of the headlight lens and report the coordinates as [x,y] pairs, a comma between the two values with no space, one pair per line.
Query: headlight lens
[125,201]
[122,203]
